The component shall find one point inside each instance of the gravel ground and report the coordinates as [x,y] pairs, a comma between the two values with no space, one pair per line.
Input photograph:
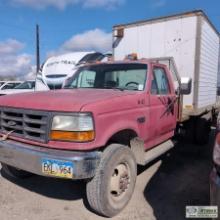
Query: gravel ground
[163,189]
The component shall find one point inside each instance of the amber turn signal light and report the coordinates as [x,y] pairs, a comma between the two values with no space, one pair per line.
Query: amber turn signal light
[75,136]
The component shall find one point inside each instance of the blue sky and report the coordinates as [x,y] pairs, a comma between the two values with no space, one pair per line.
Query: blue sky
[72,25]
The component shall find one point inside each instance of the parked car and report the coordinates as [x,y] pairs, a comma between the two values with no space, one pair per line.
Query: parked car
[27,86]
[9,84]
[2,82]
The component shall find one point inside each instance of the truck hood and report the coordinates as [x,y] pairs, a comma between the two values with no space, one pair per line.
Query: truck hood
[60,100]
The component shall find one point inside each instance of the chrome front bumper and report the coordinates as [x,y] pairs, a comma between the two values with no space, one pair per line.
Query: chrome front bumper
[29,158]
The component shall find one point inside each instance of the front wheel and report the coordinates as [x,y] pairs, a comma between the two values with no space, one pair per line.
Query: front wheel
[113,185]
[14,172]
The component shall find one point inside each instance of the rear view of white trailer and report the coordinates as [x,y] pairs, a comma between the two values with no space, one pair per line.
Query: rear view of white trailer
[189,38]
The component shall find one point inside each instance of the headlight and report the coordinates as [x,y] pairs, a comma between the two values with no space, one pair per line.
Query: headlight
[78,128]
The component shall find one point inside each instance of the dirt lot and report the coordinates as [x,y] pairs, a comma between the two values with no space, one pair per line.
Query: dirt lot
[162,191]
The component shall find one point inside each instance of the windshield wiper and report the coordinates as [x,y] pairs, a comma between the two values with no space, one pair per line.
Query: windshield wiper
[105,87]
[114,88]
[70,87]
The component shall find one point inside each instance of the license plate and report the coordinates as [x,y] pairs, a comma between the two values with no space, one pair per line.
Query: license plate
[57,168]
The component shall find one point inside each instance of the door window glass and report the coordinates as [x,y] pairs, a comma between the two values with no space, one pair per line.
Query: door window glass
[160,83]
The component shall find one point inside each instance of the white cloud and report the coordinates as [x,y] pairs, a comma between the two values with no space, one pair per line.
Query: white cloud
[13,62]
[158,3]
[92,40]
[41,4]
[103,3]
[31,74]
[62,4]
[10,46]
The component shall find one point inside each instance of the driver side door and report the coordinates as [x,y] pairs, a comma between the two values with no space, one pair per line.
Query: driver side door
[162,105]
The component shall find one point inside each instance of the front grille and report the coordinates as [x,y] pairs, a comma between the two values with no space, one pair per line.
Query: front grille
[26,124]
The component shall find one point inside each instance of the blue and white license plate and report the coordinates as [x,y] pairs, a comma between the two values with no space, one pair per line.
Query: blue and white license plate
[57,168]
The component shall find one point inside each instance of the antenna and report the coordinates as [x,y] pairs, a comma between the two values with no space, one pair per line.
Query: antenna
[37,49]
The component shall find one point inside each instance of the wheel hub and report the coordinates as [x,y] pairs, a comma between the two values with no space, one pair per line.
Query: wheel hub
[124,182]
[120,180]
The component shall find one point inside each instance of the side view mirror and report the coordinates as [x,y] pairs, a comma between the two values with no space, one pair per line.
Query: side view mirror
[185,86]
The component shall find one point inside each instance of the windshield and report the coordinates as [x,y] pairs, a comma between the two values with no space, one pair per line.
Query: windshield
[109,76]
[26,85]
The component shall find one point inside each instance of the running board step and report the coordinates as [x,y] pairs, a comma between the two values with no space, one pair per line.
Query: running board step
[157,151]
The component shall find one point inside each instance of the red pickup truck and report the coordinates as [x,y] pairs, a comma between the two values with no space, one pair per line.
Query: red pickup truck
[108,118]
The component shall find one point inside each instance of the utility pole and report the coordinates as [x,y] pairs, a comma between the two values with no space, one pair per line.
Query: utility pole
[37,49]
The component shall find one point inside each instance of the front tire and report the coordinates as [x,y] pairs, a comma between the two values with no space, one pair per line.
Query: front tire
[14,172]
[113,185]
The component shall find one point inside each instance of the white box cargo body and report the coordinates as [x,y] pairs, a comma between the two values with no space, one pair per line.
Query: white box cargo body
[193,42]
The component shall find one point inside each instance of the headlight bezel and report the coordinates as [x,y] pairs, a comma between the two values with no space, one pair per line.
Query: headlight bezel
[69,115]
